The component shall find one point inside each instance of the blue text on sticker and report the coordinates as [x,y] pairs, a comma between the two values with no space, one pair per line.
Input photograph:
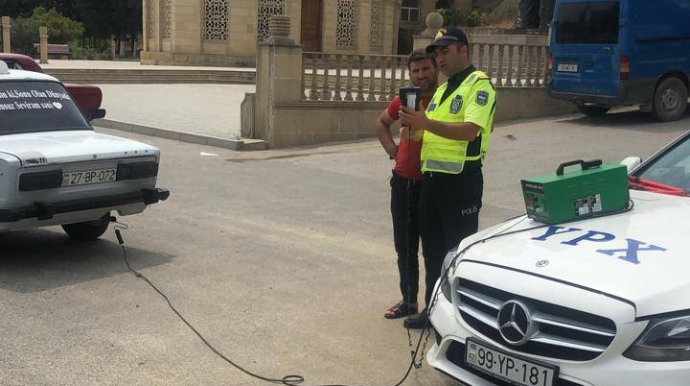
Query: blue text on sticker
[629,252]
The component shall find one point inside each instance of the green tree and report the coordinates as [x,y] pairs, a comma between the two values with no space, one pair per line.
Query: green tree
[16,8]
[60,29]
[105,18]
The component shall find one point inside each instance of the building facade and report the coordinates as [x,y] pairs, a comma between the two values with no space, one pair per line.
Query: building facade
[227,32]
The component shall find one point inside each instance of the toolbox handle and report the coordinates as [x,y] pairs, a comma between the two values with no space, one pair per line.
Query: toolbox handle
[584,165]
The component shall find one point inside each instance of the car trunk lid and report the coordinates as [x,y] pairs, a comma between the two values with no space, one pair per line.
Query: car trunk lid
[64,147]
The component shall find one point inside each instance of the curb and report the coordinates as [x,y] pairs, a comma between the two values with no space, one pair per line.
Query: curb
[199,139]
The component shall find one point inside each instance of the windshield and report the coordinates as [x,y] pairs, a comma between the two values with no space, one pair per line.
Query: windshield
[588,23]
[670,171]
[34,106]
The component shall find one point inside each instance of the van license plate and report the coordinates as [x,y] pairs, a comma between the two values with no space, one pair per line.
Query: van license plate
[507,367]
[564,67]
[89,177]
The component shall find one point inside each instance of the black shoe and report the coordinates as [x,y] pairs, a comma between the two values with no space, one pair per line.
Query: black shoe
[418,321]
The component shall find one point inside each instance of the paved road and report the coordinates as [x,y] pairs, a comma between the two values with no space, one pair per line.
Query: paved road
[208,109]
[284,259]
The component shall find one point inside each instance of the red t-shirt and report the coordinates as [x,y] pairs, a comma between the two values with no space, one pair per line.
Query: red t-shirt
[407,160]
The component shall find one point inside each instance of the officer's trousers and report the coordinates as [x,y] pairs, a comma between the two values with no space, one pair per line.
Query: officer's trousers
[449,206]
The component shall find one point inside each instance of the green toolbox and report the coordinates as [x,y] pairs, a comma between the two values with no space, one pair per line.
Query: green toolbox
[594,189]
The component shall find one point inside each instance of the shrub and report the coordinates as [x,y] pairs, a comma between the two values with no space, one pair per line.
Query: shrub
[61,30]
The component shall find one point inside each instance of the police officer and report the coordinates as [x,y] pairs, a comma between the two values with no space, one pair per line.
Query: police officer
[455,133]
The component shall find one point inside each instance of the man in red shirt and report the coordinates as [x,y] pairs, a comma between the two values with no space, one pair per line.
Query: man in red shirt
[405,183]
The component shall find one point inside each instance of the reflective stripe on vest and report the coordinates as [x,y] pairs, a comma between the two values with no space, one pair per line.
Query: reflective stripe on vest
[446,155]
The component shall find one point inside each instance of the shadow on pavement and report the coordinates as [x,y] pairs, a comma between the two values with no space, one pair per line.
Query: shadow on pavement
[40,260]
[628,120]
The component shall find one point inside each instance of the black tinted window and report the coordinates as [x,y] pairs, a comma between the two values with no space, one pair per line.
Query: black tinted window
[673,168]
[33,106]
[588,23]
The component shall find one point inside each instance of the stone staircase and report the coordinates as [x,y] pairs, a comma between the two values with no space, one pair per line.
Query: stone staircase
[152,76]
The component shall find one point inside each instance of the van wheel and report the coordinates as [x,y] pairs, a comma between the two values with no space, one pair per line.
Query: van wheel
[670,100]
[593,111]
[87,231]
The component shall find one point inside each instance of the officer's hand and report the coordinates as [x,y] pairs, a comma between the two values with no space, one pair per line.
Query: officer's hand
[414,119]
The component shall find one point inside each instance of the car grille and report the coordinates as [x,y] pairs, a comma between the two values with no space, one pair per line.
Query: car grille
[560,332]
[456,355]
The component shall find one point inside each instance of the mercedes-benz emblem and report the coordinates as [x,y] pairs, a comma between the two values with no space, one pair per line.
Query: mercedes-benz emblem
[542,263]
[515,322]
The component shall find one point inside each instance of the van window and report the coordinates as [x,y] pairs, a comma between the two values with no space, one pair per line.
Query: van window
[588,23]
[34,106]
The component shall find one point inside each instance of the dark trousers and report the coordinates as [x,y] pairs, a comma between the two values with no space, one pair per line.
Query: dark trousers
[449,207]
[406,233]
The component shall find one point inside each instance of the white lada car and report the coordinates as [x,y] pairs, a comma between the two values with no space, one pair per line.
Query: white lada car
[55,170]
[600,302]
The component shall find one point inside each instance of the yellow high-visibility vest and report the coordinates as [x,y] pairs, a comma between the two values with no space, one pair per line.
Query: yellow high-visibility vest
[473,101]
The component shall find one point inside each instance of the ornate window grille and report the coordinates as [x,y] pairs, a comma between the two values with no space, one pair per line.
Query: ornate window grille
[216,20]
[346,29]
[268,8]
[376,31]
[151,17]
[410,10]
[165,17]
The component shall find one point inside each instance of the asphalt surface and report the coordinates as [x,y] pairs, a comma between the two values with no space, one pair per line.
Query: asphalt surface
[209,109]
[283,259]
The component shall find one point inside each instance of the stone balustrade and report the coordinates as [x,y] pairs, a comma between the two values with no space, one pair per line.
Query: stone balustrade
[512,65]
[339,77]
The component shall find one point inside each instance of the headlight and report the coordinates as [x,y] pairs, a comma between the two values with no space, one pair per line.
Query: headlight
[447,288]
[447,281]
[664,340]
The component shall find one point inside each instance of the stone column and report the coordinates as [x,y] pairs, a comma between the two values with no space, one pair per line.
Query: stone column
[145,20]
[43,33]
[113,47]
[434,21]
[279,81]
[6,28]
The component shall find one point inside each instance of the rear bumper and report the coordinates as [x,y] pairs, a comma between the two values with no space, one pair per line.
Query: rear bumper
[43,211]
[634,92]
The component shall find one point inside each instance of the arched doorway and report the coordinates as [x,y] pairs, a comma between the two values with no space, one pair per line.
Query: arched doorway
[312,11]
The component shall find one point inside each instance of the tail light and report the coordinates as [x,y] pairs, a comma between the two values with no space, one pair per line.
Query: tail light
[30,182]
[137,171]
[625,67]
[549,69]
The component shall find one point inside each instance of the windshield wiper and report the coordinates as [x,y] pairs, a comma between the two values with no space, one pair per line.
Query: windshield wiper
[637,183]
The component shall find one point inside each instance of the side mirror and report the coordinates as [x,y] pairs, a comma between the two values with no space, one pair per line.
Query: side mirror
[631,163]
[96,114]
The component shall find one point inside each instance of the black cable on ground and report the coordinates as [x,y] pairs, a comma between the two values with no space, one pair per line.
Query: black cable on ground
[298,380]
[288,380]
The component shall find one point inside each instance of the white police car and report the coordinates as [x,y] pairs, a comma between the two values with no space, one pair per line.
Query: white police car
[600,302]
[55,170]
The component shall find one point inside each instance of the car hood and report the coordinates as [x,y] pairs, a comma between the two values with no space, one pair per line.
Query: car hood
[45,148]
[642,255]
